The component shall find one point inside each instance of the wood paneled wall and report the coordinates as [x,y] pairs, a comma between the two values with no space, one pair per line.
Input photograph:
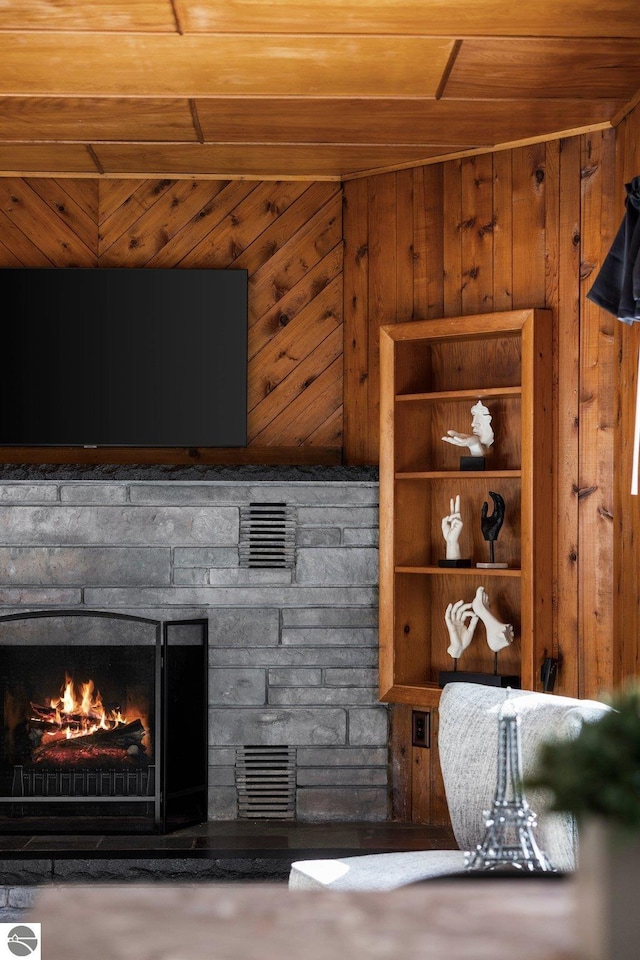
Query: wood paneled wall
[288,235]
[521,228]
[626,584]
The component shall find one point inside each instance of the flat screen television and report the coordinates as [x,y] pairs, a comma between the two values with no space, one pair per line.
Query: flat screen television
[123,357]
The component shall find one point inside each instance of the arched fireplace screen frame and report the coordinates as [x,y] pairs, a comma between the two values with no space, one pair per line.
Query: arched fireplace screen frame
[152,788]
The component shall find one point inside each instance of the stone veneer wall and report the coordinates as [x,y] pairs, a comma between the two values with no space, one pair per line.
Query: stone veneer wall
[292,653]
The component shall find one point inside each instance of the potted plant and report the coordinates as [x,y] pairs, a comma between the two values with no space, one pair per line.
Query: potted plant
[596,777]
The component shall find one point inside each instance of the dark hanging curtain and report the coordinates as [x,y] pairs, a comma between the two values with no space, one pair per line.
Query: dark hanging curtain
[617,286]
[617,290]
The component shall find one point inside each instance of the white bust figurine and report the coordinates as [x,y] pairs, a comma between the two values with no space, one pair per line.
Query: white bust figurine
[481,436]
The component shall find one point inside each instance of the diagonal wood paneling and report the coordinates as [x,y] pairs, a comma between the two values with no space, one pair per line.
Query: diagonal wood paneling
[44,225]
[286,234]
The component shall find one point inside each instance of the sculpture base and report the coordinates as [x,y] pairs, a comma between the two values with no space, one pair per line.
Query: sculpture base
[472,463]
[493,566]
[454,563]
[489,679]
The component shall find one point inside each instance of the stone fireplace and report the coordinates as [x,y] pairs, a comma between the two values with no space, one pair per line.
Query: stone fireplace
[292,645]
[104,723]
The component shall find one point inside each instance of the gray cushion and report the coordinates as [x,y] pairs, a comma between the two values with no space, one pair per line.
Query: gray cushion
[376,871]
[468,738]
[468,742]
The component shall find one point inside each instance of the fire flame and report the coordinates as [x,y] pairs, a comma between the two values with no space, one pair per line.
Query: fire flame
[76,713]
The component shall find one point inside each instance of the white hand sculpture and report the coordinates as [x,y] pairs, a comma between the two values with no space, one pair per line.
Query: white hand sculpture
[465,440]
[481,436]
[460,634]
[499,635]
[451,529]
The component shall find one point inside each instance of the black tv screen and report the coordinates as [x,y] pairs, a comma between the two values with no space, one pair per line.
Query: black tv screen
[123,357]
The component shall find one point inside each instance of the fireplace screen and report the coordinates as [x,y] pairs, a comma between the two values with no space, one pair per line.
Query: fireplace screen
[89,702]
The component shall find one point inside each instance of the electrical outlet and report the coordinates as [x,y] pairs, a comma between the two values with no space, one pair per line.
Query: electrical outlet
[421,728]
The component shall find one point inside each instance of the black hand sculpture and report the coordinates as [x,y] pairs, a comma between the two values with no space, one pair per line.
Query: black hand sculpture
[491,525]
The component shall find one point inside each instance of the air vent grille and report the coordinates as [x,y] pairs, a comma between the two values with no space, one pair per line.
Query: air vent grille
[267,535]
[266,783]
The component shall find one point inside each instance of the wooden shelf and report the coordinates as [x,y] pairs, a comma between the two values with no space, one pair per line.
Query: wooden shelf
[457,395]
[432,372]
[457,474]
[462,571]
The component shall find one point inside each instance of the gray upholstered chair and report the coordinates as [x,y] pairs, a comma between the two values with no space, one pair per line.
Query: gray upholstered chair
[468,737]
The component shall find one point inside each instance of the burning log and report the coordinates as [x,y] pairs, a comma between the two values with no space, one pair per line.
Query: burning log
[126,739]
[123,736]
[53,716]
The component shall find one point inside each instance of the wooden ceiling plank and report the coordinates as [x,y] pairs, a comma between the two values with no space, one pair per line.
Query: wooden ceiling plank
[312,161]
[269,325]
[557,68]
[46,158]
[460,155]
[83,119]
[393,121]
[108,15]
[43,64]
[429,17]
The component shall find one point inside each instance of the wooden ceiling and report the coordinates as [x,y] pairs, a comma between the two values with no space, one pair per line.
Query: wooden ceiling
[291,89]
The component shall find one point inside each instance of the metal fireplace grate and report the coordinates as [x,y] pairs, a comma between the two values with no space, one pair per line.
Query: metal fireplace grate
[266,783]
[83,782]
[267,535]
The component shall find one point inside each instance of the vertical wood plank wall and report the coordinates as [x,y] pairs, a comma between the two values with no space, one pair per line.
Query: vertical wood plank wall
[626,584]
[522,228]
[288,235]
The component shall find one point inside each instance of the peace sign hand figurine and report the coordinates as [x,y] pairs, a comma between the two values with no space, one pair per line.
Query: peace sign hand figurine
[452,528]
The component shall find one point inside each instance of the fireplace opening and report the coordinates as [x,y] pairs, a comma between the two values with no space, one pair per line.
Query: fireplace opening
[104,721]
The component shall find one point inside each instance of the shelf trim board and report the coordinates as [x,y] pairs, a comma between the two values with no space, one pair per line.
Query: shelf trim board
[462,571]
[414,694]
[481,326]
[458,474]
[483,393]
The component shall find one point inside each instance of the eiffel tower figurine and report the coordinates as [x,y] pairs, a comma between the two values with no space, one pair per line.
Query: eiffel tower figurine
[509,839]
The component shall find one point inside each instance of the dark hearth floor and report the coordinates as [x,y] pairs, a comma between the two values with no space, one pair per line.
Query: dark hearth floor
[230,852]
[237,838]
